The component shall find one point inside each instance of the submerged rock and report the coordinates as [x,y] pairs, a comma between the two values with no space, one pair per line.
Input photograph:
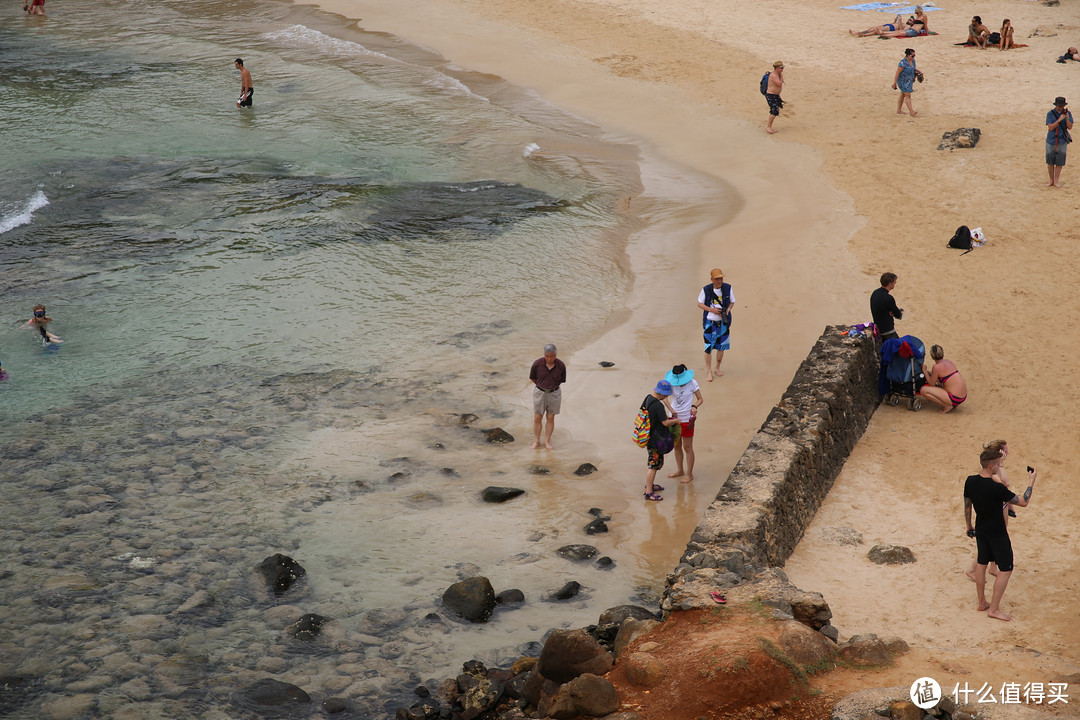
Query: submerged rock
[280,572]
[307,627]
[510,596]
[498,435]
[585,469]
[274,693]
[578,552]
[596,527]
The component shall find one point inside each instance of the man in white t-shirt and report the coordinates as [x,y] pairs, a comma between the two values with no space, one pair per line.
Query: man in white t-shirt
[685,400]
[716,301]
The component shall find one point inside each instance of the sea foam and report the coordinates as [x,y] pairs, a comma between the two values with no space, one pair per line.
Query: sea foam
[24,214]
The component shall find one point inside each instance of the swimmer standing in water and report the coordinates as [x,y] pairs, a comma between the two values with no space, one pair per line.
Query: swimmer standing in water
[39,321]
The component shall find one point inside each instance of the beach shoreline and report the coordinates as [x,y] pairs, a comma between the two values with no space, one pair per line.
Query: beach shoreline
[845,191]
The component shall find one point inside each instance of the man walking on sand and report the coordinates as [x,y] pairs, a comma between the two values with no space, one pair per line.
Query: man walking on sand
[716,301]
[548,374]
[772,94]
[1058,123]
[247,92]
[883,308]
[990,532]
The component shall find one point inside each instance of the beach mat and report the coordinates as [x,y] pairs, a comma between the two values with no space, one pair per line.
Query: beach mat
[894,8]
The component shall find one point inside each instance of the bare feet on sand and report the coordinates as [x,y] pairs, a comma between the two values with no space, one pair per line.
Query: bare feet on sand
[998,615]
[687,479]
[945,410]
[983,607]
[770,131]
[677,473]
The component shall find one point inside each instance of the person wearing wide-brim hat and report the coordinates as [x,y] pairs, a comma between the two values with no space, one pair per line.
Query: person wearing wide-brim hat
[685,400]
[660,435]
[1058,123]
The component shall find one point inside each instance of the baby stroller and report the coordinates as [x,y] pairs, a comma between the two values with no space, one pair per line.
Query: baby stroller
[902,370]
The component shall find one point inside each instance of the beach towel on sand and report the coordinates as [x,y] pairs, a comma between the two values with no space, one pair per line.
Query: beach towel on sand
[886,37]
[894,8]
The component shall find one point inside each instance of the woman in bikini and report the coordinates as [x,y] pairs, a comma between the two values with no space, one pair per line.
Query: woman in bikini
[915,26]
[897,24]
[1006,42]
[944,384]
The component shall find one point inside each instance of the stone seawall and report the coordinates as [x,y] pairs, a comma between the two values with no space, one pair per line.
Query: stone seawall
[772,494]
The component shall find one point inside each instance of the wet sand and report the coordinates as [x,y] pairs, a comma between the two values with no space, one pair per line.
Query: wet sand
[846,190]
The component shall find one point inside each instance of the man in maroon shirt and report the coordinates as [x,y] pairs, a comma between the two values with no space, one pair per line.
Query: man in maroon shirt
[548,373]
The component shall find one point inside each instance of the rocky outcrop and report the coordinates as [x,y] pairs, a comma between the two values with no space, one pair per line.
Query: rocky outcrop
[569,653]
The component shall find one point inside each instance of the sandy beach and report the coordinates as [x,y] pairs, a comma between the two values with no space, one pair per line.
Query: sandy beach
[846,190]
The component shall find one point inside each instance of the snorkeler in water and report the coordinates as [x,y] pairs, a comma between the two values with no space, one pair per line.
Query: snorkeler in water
[39,321]
[3,373]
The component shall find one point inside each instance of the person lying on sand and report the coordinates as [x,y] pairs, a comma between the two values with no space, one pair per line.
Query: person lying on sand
[914,28]
[1072,54]
[896,24]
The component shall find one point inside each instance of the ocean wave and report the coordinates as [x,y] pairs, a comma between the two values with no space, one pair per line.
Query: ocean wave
[24,214]
[303,36]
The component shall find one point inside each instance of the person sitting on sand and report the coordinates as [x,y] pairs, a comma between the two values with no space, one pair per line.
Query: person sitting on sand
[1006,41]
[945,385]
[977,32]
[39,321]
[896,24]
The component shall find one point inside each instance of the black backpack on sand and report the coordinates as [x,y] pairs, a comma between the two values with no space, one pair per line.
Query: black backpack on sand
[962,239]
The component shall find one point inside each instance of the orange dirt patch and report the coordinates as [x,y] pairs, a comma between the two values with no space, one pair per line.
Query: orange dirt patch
[721,665]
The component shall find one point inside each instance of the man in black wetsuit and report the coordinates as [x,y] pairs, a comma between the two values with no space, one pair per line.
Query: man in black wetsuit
[883,308]
[991,534]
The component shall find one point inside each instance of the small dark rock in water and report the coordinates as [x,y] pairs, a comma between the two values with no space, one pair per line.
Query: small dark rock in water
[585,469]
[606,363]
[449,472]
[280,572]
[598,513]
[596,527]
[496,494]
[422,691]
[400,475]
[333,706]
[498,435]
[567,591]
[605,562]
[307,627]
[438,446]
[616,615]
[578,552]
[539,470]
[510,596]
[274,693]
[472,599]
[466,418]
[425,709]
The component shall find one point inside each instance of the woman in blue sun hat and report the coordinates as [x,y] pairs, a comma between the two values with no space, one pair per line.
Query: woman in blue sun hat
[685,400]
[660,437]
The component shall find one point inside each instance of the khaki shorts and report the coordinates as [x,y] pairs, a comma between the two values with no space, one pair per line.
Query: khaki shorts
[546,403]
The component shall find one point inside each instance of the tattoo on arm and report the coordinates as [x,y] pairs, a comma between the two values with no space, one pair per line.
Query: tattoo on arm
[967,502]
[1027,494]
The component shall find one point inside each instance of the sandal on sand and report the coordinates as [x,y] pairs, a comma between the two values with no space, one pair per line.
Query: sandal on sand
[657,488]
[652,496]
[718,597]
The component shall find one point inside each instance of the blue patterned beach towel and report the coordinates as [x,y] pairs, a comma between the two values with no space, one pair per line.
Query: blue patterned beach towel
[895,8]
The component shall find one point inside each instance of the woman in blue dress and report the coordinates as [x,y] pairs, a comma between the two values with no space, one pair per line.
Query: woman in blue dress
[903,80]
